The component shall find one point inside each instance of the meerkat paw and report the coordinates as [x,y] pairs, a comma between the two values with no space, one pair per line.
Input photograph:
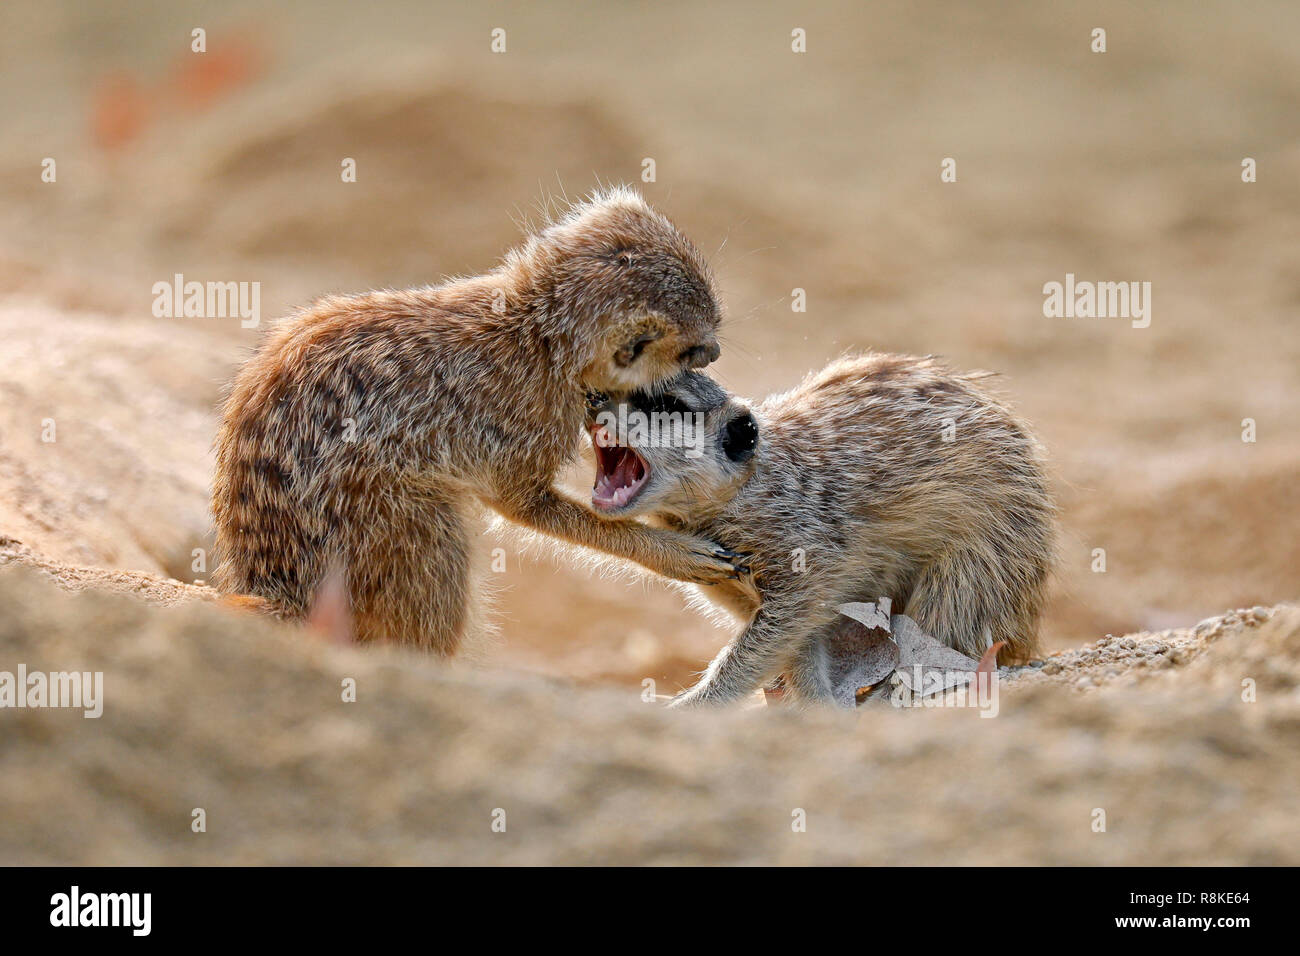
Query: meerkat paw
[705,694]
[687,699]
[711,563]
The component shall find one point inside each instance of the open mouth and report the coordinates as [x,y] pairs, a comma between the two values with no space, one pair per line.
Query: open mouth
[621,473]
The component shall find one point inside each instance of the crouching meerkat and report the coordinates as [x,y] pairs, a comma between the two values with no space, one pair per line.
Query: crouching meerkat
[367,430]
[881,475]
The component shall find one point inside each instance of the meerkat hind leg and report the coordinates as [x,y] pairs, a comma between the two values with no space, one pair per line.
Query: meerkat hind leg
[417,592]
[953,603]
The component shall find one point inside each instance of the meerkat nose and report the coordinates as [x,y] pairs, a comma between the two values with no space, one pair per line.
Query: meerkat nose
[698,356]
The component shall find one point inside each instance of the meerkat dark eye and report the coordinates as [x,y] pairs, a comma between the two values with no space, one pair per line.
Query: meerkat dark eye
[623,258]
[663,402]
[632,350]
[740,437]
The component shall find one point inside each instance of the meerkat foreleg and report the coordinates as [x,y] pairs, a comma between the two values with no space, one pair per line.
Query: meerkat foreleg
[669,553]
[778,630]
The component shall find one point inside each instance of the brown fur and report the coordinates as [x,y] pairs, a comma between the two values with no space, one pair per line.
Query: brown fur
[851,468]
[368,429]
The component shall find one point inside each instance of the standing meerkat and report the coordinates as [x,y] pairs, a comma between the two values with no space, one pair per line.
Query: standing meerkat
[880,475]
[367,429]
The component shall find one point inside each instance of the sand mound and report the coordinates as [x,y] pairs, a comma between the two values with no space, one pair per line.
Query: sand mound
[107,426]
[207,709]
[427,163]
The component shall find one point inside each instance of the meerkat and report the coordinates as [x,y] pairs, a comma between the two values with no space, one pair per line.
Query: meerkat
[879,476]
[369,431]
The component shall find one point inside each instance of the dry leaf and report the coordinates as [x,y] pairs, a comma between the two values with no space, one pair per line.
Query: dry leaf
[867,645]
[868,615]
[989,662]
[852,656]
[940,667]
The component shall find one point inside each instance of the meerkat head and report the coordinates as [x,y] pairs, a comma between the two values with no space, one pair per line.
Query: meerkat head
[629,290]
[677,452]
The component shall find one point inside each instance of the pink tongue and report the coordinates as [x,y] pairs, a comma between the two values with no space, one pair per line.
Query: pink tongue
[622,476]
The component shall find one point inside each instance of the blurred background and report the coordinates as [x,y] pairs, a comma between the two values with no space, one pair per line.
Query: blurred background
[816,170]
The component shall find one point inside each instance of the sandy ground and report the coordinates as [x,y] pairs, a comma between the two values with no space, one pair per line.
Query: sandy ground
[818,171]
[247,723]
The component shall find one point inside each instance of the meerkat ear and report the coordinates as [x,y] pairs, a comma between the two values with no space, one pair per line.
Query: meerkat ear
[740,437]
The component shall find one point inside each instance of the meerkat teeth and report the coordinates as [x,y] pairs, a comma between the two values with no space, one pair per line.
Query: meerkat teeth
[620,473]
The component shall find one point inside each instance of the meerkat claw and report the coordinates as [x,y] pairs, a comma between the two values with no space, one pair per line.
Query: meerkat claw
[738,561]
